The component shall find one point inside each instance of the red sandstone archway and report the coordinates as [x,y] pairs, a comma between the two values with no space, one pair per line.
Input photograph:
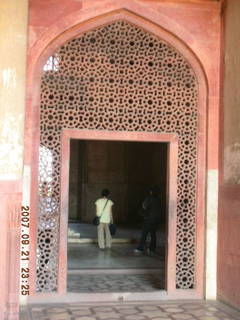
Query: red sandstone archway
[191,58]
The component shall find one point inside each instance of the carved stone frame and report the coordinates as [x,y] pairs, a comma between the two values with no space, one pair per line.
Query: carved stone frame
[172,139]
[40,52]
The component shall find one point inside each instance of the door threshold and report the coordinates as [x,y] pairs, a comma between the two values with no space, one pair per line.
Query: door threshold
[97,297]
[114,297]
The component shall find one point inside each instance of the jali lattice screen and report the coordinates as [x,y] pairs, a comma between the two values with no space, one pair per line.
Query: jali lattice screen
[117,77]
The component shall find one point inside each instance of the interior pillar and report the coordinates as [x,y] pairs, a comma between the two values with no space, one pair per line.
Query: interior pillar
[13,35]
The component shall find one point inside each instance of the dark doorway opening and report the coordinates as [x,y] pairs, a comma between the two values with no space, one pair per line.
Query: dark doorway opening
[128,170]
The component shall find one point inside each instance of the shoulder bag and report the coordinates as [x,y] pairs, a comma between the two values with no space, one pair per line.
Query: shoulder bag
[96,220]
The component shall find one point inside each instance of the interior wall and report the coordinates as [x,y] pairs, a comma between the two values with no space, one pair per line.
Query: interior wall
[126,169]
[229,199]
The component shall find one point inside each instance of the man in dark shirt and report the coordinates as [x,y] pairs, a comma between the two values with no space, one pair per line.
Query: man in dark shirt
[152,209]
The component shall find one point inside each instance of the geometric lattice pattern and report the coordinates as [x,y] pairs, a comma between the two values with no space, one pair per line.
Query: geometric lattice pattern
[115,282]
[117,77]
[145,311]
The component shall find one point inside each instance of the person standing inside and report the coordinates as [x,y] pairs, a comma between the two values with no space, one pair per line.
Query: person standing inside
[152,209]
[104,212]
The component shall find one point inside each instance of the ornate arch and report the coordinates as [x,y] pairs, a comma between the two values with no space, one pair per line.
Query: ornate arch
[181,50]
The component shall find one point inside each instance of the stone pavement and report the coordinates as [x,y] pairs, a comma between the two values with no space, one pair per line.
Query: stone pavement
[184,310]
[116,283]
[121,256]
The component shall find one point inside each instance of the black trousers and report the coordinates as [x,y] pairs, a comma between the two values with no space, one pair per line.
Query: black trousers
[148,228]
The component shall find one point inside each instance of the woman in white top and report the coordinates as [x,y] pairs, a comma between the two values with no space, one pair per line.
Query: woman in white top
[104,211]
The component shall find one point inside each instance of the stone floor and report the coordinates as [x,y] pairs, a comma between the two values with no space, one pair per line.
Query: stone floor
[115,282]
[120,256]
[91,270]
[114,270]
[185,310]
[88,231]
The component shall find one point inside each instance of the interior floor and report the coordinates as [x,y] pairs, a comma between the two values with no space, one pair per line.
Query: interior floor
[188,310]
[117,269]
[120,256]
[87,233]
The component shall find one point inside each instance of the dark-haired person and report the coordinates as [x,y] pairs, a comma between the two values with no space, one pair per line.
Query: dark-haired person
[104,211]
[152,208]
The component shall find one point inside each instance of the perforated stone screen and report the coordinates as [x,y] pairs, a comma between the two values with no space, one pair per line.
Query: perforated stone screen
[121,78]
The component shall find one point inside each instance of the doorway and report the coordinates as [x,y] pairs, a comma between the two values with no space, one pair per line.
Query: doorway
[152,141]
[128,170]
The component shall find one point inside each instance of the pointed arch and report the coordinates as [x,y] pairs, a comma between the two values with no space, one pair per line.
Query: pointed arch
[43,50]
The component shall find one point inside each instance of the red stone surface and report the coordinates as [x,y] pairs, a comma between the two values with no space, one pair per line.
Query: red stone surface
[172,202]
[229,244]
[191,27]
[228,275]
[197,24]
[44,13]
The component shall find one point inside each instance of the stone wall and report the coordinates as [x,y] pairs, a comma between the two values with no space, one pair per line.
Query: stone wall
[195,23]
[126,169]
[229,195]
[13,44]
